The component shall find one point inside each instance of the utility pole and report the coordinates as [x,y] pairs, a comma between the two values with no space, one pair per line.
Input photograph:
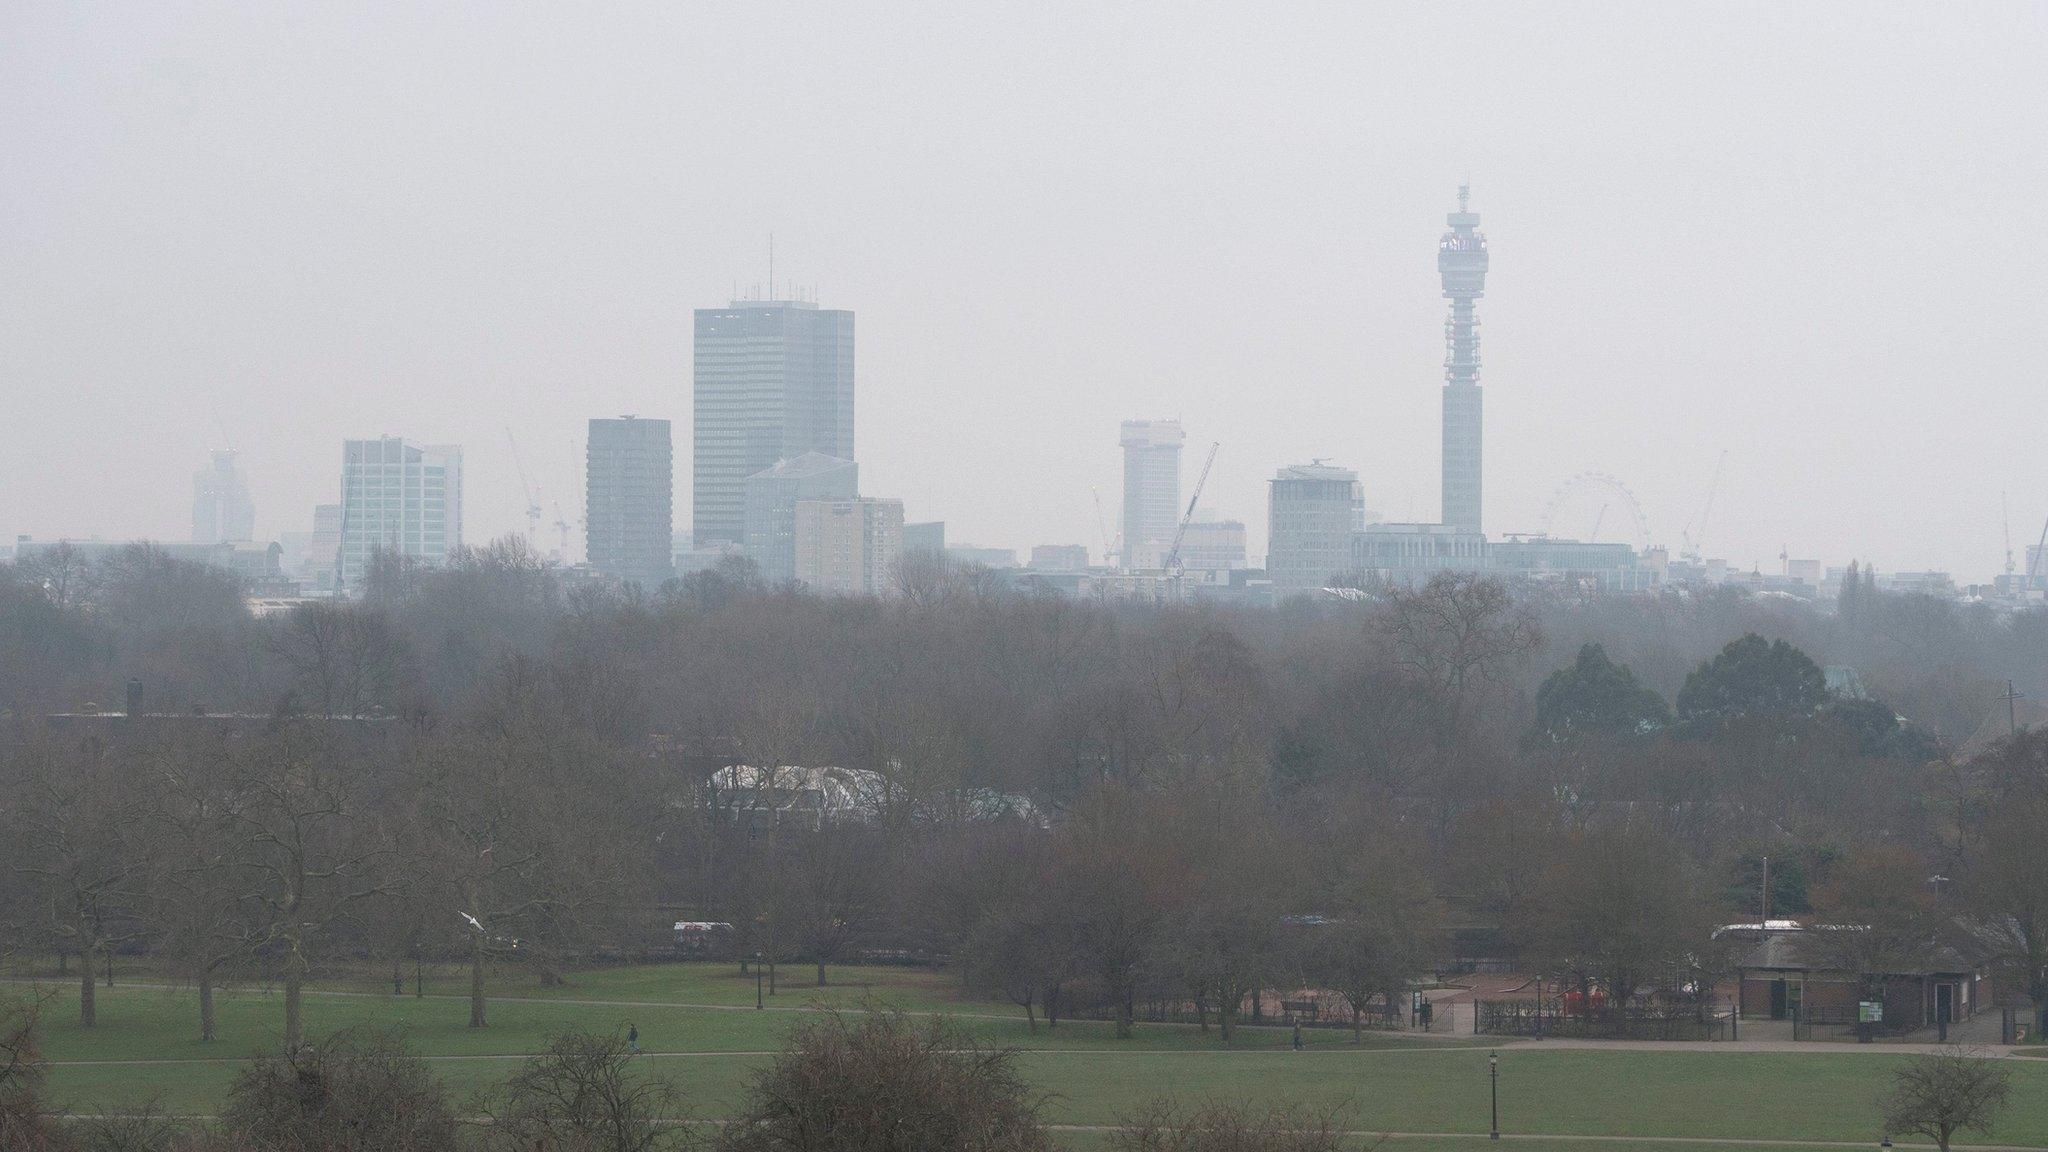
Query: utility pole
[2012,715]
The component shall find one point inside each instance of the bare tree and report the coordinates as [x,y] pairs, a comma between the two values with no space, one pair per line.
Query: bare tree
[581,1094]
[344,658]
[197,896]
[355,1091]
[2009,887]
[1938,1096]
[77,823]
[23,1123]
[311,853]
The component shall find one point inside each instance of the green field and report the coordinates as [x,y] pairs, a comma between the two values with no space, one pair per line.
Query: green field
[700,1031]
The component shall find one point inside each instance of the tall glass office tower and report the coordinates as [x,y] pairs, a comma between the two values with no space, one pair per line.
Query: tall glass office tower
[774,380]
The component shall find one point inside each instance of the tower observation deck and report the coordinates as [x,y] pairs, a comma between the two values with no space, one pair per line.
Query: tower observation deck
[1461,261]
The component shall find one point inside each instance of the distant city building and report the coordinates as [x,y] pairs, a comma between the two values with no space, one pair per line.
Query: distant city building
[311,556]
[1581,564]
[691,559]
[1924,583]
[1461,261]
[1213,546]
[221,508]
[851,547]
[1412,553]
[629,500]
[258,564]
[772,495]
[401,497]
[925,536]
[773,380]
[1151,489]
[1059,557]
[1312,512]
[986,557]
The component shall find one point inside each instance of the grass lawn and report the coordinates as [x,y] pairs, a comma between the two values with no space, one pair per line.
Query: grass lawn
[1088,1077]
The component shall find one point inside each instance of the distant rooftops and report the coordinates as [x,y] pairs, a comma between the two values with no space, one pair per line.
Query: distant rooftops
[808,304]
[808,464]
[1315,472]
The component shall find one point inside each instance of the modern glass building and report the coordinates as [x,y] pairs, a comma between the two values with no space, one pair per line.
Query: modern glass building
[1312,512]
[399,496]
[771,499]
[1151,490]
[629,500]
[773,380]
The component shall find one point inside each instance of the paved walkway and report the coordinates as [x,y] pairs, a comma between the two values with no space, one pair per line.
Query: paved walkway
[1356,1134]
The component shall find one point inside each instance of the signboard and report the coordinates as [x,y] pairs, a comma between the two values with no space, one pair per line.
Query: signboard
[1870,1012]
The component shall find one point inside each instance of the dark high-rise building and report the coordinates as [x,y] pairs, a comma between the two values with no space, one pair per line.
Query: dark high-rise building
[1461,260]
[774,380]
[629,500]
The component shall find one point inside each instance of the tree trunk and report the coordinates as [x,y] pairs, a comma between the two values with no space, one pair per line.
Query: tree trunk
[1030,1018]
[1124,1012]
[110,967]
[88,1010]
[821,973]
[771,976]
[206,1008]
[294,988]
[1052,1007]
[476,981]
[63,962]
[1357,1024]
[397,977]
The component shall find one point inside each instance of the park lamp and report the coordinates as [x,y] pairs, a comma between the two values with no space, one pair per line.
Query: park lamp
[1493,1074]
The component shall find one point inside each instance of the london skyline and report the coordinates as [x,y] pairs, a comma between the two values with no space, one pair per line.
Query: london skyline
[1740,268]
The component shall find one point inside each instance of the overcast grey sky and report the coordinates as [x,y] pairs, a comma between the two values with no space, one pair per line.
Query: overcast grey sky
[1810,235]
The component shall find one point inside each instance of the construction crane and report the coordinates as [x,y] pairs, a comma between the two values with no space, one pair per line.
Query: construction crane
[526,488]
[2034,559]
[1173,567]
[1692,534]
[2005,514]
[562,526]
[1102,522]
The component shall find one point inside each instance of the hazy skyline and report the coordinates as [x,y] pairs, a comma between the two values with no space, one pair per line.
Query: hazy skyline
[1804,234]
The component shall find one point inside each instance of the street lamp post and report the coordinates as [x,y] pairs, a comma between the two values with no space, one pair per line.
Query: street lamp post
[1493,1072]
[758,1003]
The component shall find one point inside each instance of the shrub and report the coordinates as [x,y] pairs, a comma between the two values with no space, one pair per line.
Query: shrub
[877,1083]
[356,1091]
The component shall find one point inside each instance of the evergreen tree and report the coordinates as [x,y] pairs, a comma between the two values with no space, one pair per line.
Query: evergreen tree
[1595,695]
[1750,678]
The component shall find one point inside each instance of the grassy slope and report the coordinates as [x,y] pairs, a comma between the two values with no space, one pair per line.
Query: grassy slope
[1089,1077]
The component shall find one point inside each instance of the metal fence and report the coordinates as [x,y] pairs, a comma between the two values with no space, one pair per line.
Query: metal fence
[1646,1022]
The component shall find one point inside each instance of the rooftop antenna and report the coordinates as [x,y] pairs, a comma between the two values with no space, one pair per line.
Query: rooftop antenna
[1464,193]
[771,265]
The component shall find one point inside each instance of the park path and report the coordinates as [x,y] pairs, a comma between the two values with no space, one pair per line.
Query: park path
[1440,1041]
[1371,1134]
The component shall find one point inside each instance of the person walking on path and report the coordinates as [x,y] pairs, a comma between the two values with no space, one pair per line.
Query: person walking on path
[632,1038]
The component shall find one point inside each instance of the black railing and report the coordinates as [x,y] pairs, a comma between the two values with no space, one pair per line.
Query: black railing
[1645,1022]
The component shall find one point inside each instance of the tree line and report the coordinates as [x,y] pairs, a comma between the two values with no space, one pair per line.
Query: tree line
[1084,808]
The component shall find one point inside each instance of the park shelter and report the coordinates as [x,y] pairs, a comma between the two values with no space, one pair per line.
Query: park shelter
[1783,974]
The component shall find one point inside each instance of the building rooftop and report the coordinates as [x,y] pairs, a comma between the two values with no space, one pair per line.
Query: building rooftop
[808,464]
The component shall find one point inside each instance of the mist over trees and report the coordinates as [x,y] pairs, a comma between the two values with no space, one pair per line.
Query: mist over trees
[1084,809]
